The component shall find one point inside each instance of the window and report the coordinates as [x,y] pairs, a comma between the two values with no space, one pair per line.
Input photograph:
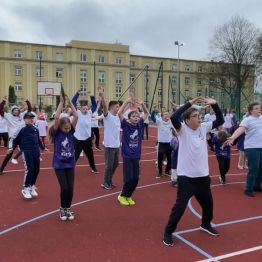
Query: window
[118,61]
[187,68]
[83,75]
[212,69]
[101,59]
[173,92]
[199,93]
[186,93]
[173,80]
[83,90]
[199,81]
[59,56]
[18,70]
[38,72]
[18,53]
[83,57]
[174,67]
[159,91]
[200,69]
[38,55]
[118,78]
[59,72]
[101,77]
[187,80]
[132,77]
[118,90]
[132,63]
[18,86]
[212,80]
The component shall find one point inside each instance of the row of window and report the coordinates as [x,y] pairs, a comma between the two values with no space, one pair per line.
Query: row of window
[60,57]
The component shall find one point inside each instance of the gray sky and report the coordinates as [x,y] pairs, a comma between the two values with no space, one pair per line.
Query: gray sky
[149,27]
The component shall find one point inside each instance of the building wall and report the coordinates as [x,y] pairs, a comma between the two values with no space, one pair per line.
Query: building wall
[80,65]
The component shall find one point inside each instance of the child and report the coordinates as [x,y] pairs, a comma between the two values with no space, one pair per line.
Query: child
[42,126]
[27,138]
[61,134]
[223,153]
[174,156]
[131,149]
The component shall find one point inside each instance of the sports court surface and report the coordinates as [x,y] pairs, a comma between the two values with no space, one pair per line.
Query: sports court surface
[105,231]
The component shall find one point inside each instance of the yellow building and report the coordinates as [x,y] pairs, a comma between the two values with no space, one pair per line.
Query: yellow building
[81,65]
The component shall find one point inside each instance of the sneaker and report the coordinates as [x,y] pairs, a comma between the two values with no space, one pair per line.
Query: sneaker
[164,163]
[222,181]
[69,214]
[159,175]
[249,194]
[113,185]
[33,191]
[257,189]
[40,158]
[209,229]
[63,214]
[82,153]
[240,167]
[174,183]
[123,201]
[98,148]
[167,240]
[14,161]
[106,185]
[95,171]
[26,193]
[130,201]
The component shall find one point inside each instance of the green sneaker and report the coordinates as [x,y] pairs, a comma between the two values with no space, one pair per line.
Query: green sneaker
[123,200]
[130,201]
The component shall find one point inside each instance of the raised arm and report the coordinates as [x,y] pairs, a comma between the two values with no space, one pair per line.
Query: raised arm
[58,112]
[73,110]
[75,98]
[219,116]
[103,102]
[2,105]
[145,110]
[122,108]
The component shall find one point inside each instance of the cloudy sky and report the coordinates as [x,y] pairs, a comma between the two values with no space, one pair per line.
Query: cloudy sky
[148,27]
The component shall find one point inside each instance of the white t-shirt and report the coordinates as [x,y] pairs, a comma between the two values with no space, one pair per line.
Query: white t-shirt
[253,138]
[94,122]
[192,152]
[42,127]
[228,121]
[3,125]
[164,133]
[111,131]
[83,126]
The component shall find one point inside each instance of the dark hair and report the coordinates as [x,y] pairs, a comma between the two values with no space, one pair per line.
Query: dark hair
[62,121]
[251,106]
[131,113]
[222,135]
[112,103]
[188,112]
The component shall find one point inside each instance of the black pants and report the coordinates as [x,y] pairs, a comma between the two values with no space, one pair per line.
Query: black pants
[66,181]
[4,136]
[32,167]
[224,165]
[95,132]
[131,170]
[85,145]
[164,149]
[145,129]
[188,187]
[209,141]
[6,160]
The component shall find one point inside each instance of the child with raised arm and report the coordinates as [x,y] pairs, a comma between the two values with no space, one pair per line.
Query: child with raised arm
[131,149]
[61,134]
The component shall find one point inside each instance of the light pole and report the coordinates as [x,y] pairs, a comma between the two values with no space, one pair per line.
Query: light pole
[178,44]
[40,75]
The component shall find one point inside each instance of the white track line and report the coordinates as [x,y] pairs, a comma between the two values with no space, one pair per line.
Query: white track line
[237,253]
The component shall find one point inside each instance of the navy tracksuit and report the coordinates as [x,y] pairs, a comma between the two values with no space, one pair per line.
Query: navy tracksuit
[27,137]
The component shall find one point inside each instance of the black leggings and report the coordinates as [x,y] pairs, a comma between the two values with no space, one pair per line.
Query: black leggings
[85,145]
[95,132]
[4,136]
[224,165]
[66,181]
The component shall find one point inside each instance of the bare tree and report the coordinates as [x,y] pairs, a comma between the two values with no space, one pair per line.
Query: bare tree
[234,45]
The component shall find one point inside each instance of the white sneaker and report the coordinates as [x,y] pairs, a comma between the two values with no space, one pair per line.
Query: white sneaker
[33,191]
[14,161]
[40,158]
[82,153]
[164,163]
[69,214]
[26,193]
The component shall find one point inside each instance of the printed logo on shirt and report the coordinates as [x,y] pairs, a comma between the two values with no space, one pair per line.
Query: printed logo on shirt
[133,139]
[65,148]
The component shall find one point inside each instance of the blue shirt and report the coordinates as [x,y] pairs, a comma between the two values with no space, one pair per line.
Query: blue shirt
[221,148]
[132,139]
[64,152]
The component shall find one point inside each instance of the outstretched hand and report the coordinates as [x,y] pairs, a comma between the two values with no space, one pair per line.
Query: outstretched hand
[209,101]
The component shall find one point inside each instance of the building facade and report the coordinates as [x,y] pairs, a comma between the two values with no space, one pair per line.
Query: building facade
[82,65]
